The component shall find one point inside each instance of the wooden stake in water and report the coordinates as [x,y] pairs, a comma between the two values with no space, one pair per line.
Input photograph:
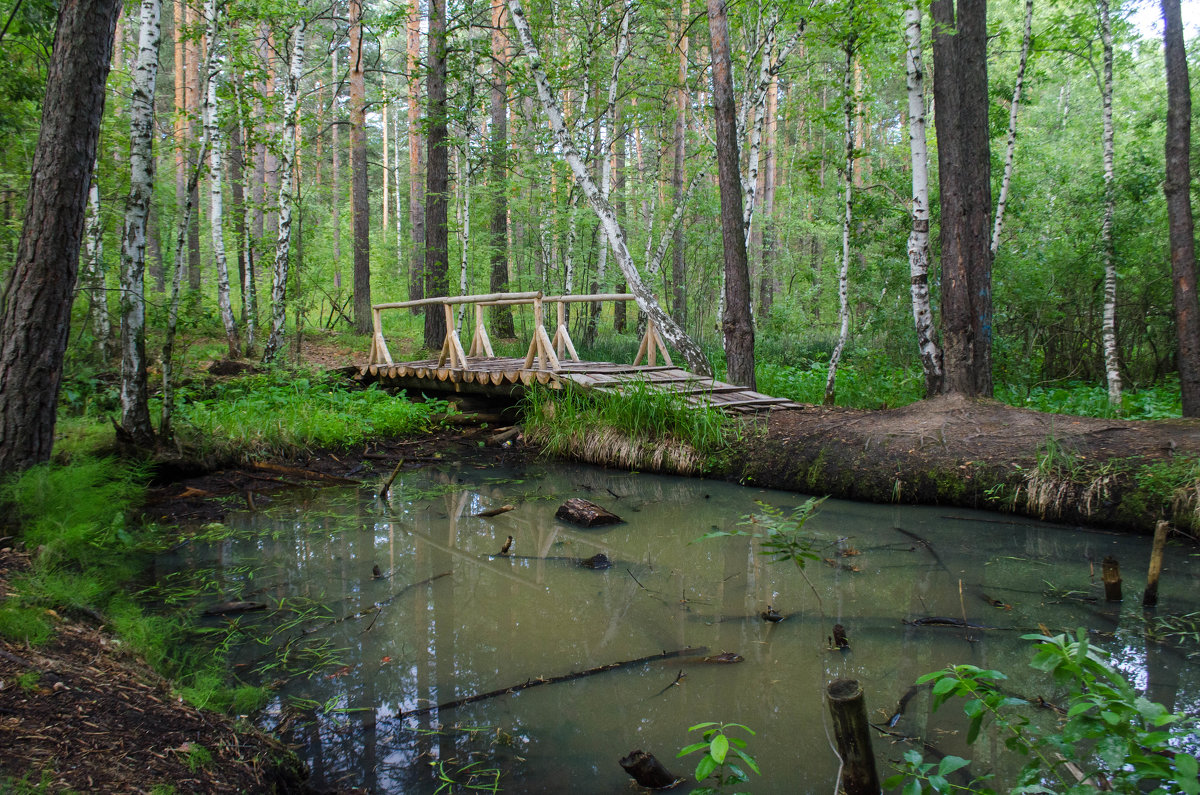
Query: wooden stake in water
[1111,573]
[852,733]
[1150,595]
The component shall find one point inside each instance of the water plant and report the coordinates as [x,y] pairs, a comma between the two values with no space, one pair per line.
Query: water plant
[1110,738]
[720,753]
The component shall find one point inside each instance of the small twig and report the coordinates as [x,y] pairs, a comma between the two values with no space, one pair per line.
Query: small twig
[383,492]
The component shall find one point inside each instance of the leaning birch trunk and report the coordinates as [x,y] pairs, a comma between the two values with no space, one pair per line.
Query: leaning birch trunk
[844,271]
[750,177]
[284,241]
[216,196]
[1111,364]
[135,408]
[92,274]
[1002,200]
[670,330]
[918,238]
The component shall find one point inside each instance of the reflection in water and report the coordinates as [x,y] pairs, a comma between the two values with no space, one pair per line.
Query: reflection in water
[448,618]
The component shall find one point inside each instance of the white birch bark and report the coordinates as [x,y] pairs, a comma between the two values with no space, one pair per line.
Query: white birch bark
[216,169]
[464,224]
[608,135]
[670,330]
[918,238]
[1111,362]
[135,412]
[283,242]
[92,276]
[844,270]
[653,263]
[1002,199]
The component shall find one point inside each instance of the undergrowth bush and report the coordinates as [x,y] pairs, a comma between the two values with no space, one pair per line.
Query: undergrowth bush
[279,412]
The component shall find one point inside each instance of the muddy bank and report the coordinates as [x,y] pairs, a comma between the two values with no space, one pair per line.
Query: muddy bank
[983,454]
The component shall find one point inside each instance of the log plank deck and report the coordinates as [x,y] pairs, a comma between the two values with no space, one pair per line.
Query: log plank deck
[503,375]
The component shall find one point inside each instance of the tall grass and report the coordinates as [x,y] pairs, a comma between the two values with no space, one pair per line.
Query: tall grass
[280,412]
[86,552]
[569,420]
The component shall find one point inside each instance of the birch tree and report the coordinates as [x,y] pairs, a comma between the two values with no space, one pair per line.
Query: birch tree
[1112,369]
[646,300]
[918,238]
[212,131]
[135,409]
[848,106]
[92,275]
[284,239]
[1011,146]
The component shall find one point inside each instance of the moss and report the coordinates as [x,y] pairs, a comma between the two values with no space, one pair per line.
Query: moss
[813,474]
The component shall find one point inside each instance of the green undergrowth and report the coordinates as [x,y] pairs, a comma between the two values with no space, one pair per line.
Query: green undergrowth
[627,425]
[281,412]
[86,554]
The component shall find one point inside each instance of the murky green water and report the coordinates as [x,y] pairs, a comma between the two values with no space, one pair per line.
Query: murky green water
[448,620]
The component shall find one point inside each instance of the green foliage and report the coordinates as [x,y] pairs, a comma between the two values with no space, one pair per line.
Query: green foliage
[781,536]
[720,752]
[1082,399]
[1109,732]
[23,623]
[471,777]
[639,411]
[868,382]
[29,680]
[197,757]
[280,412]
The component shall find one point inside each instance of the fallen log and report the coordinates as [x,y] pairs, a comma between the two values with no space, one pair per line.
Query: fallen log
[224,608]
[943,621]
[308,474]
[552,680]
[496,511]
[585,514]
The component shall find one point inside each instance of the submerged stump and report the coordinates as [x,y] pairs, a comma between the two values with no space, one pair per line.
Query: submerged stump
[586,514]
[648,771]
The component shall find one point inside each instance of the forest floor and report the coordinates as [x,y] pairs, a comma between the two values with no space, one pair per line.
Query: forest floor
[102,722]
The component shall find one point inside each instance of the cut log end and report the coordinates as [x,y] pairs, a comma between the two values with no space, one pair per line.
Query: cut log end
[585,514]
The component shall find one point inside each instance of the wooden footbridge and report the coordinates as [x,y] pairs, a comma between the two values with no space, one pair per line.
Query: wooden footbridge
[551,361]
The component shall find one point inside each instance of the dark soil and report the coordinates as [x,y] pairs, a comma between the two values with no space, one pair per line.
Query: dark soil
[976,453]
[101,721]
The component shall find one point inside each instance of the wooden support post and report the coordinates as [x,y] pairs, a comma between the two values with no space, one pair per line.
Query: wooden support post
[562,339]
[481,344]
[451,347]
[651,346]
[379,349]
[1150,595]
[852,734]
[537,324]
[1111,573]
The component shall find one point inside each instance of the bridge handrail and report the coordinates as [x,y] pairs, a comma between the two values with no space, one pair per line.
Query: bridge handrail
[541,347]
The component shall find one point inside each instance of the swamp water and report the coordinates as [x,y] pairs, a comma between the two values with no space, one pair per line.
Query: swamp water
[353,653]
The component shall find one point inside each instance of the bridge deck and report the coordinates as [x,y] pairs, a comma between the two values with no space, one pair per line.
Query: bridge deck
[501,375]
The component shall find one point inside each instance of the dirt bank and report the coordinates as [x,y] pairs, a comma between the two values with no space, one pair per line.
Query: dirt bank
[983,454]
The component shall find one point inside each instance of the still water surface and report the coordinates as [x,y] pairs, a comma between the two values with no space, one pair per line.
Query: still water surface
[448,619]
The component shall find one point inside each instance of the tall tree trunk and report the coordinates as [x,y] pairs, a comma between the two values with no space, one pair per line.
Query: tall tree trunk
[181,129]
[766,272]
[284,239]
[737,324]
[192,98]
[135,409]
[1112,367]
[848,111]
[964,172]
[671,331]
[237,185]
[1010,152]
[678,264]
[383,210]
[245,228]
[437,244]
[92,276]
[416,197]
[918,237]
[35,317]
[502,321]
[1179,208]
[619,208]
[335,195]
[216,149]
[360,209]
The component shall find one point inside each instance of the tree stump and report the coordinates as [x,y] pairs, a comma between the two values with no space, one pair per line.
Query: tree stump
[648,771]
[585,514]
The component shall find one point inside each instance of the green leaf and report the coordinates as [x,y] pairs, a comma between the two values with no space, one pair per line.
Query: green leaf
[951,763]
[973,729]
[749,760]
[912,787]
[691,749]
[1186,766]
[705,768]
[718,748]
[943,686]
